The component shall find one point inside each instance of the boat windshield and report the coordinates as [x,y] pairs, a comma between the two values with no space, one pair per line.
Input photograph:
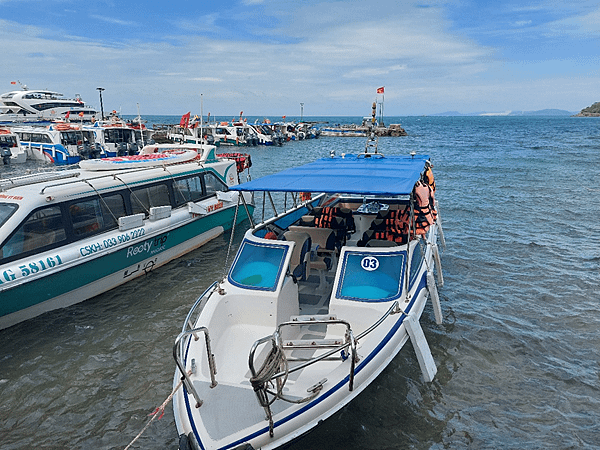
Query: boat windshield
[6,210]
[370,276]
[258,266]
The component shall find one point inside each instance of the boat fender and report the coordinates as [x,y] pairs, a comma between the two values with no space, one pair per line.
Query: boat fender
[438,264]
[184,443]
[417,339]
[435,298]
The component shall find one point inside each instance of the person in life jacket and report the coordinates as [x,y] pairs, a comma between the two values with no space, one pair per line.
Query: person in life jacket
[424,207]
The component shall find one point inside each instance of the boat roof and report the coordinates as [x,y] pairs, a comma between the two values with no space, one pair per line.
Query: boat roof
[347,174]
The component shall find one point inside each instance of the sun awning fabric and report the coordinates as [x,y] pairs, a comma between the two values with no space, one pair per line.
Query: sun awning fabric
[348,174]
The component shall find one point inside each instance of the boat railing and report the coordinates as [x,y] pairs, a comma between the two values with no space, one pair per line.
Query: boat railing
[183,339]
[349,342]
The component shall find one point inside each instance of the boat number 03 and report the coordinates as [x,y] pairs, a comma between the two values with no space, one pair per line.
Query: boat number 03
[370,263]
[31,268]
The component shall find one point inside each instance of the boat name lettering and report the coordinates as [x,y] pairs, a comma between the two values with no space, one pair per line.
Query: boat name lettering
[31,268]
[111,242]
[11,197]
[370,263]
[150,246]
[214,207]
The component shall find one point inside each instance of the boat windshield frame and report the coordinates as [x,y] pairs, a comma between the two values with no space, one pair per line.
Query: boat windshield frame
[383,268]
[258,265]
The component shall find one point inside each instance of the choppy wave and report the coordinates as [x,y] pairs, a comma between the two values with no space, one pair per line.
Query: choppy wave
[518,353]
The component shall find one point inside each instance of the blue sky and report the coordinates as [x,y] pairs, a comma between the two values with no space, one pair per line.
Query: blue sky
[265,57]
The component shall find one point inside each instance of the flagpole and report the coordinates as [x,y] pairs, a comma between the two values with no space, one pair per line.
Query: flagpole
[201,119]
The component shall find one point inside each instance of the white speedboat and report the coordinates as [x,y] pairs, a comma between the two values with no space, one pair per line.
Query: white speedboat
[11,150]
[35,106]
[317,302]
[117,137]
[66,236]
[60,143]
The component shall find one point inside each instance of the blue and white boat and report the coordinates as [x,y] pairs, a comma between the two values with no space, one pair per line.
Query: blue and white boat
[60,143]
[116,137]
[317,302]
[66,236]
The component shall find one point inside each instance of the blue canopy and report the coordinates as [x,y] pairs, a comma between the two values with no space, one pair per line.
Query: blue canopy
[348,174]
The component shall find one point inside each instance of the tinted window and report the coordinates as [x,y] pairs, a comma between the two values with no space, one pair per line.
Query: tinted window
[43,228]
[94,214]
[142,199]
[213,184]
[187,190]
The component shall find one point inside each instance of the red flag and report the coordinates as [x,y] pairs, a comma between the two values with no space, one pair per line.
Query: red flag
[13,82]
[283,117]
[81,114]
[185,120]
[380,90]
[67,114]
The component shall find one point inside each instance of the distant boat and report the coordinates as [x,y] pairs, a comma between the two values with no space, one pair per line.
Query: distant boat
[11,150]
[38,106]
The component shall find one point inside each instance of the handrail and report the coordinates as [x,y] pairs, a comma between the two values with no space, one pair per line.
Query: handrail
[177,350]
[187,331]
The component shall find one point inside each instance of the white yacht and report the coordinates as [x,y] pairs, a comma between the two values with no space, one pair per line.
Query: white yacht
[36,106]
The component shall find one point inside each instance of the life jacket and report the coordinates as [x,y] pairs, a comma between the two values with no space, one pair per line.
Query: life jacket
[398,230]
[424,209]
[428,178]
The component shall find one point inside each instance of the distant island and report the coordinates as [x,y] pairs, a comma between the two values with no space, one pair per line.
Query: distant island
[590,111]
[542,112]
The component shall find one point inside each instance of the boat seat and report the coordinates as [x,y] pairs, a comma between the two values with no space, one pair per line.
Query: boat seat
[323,248]
[307,221]
[380,243]
[300,260]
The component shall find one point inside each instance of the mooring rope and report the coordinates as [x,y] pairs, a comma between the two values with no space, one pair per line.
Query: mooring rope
[160,409]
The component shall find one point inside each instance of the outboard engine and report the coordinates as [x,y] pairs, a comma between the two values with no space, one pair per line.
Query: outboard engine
[97,151]
[122,149]
[85,150]
[6,154]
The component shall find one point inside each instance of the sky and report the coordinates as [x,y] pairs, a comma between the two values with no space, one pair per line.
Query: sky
[268,57]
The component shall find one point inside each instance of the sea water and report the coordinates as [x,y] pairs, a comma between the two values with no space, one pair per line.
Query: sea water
[517,355]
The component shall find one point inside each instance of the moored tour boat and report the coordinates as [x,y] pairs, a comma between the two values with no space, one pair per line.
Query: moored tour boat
[11,150]
[60,143]
[66,236]
[317,302]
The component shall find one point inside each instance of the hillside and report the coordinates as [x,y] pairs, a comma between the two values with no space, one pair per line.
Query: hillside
[590,111]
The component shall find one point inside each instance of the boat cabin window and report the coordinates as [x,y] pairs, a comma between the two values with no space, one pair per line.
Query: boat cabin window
[76,137]
[93,215]
[370,276]
[117,135]
[42,228]
[258,266]
[38,137]
[142,199]
[213,184]
[8,141]
[187,190]
[6,210]
[415,262]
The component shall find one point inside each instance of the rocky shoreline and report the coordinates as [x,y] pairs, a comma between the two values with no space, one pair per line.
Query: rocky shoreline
[590,111]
